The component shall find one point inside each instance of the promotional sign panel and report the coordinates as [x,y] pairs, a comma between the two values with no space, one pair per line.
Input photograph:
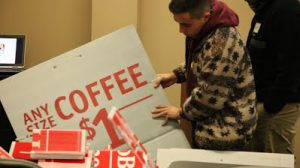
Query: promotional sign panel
[77,89]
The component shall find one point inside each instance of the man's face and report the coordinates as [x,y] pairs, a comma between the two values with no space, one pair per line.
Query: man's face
[189,25]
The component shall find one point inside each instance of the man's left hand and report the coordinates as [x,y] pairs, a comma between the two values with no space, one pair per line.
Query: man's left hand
[168,111]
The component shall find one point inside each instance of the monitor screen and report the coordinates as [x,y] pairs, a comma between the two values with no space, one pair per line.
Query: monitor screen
[12,48]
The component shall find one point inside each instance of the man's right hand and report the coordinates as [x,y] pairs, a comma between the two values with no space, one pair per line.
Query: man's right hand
[165,80]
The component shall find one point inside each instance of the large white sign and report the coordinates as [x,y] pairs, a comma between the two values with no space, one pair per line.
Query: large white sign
[77,89]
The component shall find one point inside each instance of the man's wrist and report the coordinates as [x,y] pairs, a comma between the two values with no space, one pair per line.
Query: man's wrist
[174,77]
[180,113]
[179,76]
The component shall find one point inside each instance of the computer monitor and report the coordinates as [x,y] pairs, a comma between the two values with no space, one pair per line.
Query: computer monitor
[12,51]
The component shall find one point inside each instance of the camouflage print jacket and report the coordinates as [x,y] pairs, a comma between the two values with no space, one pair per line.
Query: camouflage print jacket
[222,103]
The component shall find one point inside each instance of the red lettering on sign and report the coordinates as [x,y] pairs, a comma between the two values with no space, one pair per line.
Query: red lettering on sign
[135,75]
[121,82]
[45,109]
[58,108]
[45,123]
[36,114]
[102,116]
[27,119]
[106,87]
[51,122]
[79,101]
[93,93]
[82,98]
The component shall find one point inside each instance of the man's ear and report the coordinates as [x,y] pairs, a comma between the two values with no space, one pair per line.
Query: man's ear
[206,15]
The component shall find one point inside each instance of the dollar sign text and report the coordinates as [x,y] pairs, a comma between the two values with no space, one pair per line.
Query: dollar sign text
[90,131]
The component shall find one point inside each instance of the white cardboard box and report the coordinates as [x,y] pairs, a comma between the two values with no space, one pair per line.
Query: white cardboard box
[191,158]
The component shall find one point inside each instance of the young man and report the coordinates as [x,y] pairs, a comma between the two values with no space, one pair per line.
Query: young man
[273,43]
[218,72]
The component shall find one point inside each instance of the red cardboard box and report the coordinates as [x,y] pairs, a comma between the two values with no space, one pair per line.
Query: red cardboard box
[66,163]
[58,144]
[118,159]
[20,150]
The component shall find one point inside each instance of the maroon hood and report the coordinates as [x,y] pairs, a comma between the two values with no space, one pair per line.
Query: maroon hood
[221,16]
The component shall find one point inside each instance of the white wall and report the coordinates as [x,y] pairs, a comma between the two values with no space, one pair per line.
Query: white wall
[110,15]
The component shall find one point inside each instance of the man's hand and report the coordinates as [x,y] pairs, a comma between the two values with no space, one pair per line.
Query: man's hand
[168,111]
[165,80]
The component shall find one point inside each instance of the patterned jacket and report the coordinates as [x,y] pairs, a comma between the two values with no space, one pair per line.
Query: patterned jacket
[222,102]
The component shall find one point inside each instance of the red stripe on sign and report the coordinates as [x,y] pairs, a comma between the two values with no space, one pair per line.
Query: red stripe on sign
[135,102]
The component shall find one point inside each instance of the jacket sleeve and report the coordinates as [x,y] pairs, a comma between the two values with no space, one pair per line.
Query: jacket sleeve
[216,69]
[180,73]
[286,37]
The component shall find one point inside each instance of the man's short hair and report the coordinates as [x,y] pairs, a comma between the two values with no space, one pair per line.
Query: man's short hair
[196,8]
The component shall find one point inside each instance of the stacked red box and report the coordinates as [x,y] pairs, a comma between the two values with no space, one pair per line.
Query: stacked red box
[65,163]
[67,148]
[51,144]
[20,150]
[58,144]
[118,159]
